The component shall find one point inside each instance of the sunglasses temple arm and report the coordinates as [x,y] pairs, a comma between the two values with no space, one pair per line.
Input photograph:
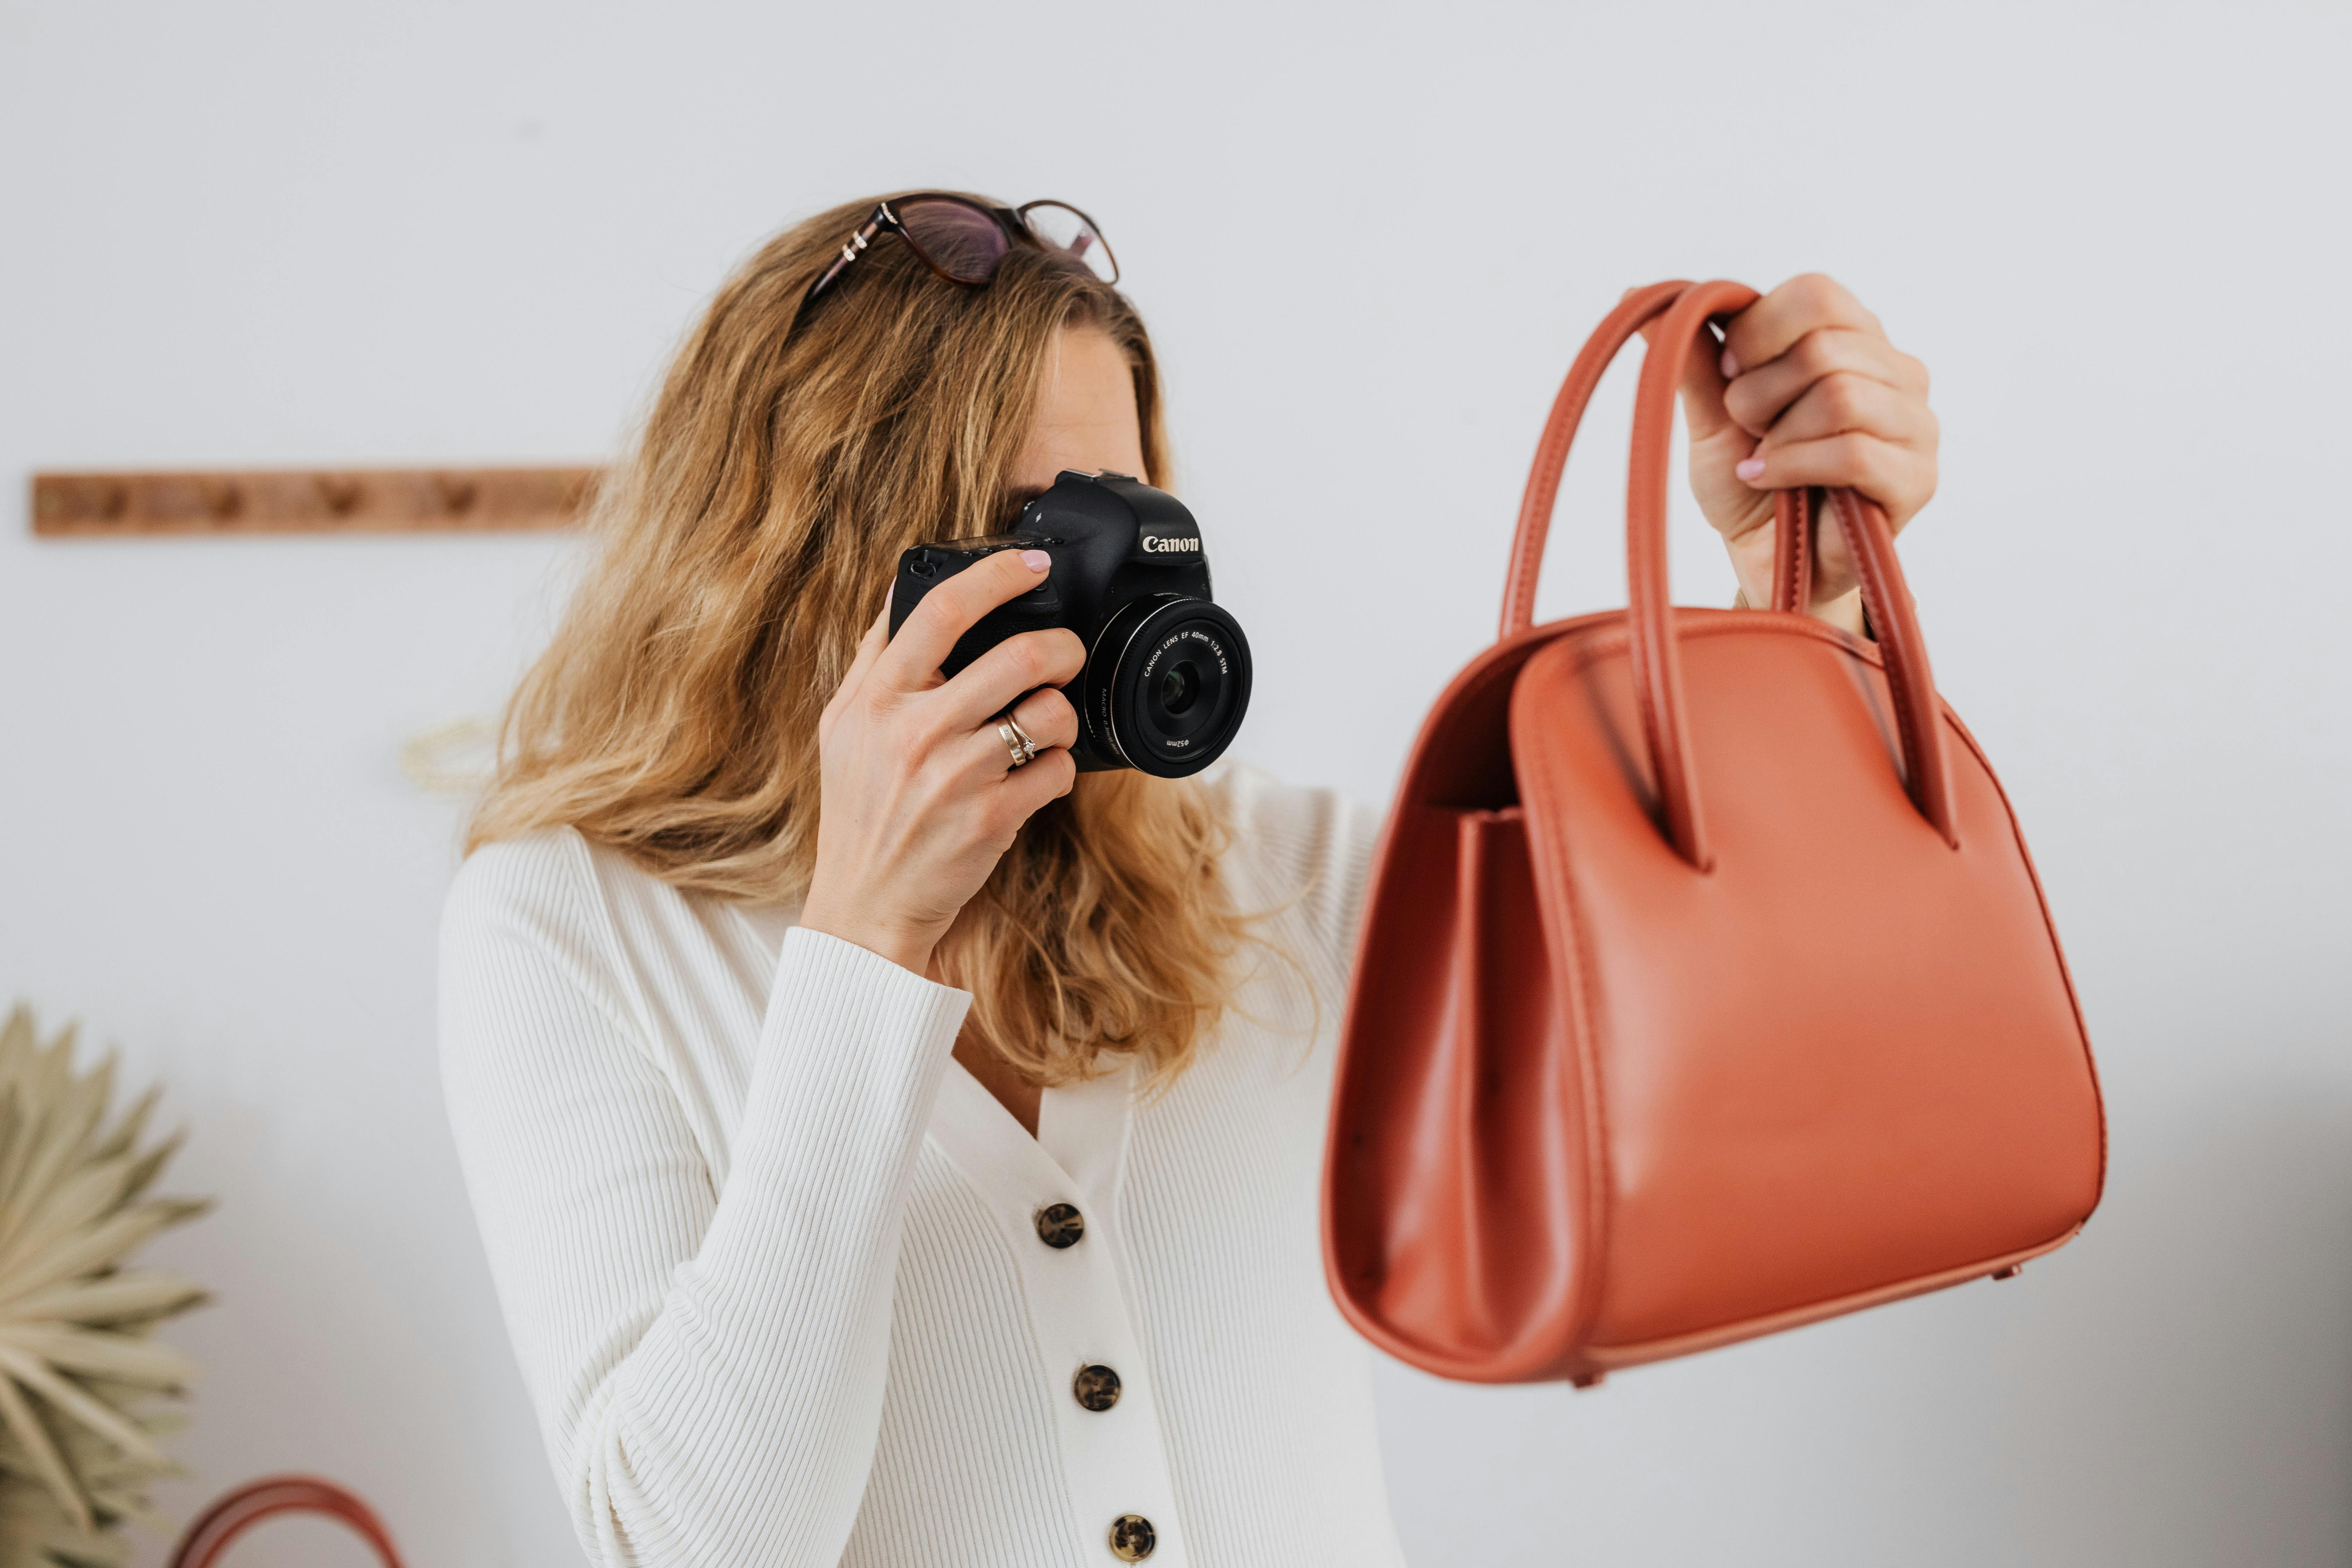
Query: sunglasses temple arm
[851,248]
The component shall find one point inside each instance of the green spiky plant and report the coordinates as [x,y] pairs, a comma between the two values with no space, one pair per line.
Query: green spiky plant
[84,1391]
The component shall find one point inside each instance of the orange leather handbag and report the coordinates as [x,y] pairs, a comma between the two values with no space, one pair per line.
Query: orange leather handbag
[1705,988]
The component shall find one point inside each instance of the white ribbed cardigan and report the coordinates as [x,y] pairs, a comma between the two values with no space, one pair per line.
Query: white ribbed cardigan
[769,1255]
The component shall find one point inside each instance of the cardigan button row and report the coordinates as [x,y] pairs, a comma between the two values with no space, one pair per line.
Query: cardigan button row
[1097,1388]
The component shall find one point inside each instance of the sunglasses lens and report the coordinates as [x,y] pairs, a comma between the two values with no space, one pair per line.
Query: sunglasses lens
[962,242]
[1067,230]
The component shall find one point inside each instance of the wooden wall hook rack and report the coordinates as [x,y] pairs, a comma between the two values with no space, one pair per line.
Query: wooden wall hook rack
[309,500]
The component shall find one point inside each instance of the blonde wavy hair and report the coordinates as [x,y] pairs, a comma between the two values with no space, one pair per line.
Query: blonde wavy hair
[746,542]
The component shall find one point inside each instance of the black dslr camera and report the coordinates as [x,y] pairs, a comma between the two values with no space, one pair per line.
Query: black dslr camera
[1167,677]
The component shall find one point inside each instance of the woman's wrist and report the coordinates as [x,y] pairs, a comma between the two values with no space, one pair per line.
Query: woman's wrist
[909,949]
[1845,612]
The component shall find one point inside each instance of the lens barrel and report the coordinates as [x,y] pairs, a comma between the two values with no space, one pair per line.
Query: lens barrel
[1167,685]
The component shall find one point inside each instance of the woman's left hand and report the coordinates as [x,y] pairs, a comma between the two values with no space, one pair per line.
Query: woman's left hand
[1808,391]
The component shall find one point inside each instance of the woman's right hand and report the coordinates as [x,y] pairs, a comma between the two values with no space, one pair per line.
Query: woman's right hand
[920,798]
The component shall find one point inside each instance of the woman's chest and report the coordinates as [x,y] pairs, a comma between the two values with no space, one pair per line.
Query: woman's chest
[1225,1160]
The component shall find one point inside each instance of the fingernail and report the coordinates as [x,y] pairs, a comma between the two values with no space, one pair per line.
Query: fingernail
[1730,365]
[1037,560]
[1753,468]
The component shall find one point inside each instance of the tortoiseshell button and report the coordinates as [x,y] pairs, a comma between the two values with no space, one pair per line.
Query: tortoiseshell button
[1060,1225]
[1133,1538]
[1095,1387]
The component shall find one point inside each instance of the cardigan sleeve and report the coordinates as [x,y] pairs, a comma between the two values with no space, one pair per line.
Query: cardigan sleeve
[707,1362]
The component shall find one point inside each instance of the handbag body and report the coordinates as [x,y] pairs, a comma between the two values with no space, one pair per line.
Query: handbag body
[1632,1069]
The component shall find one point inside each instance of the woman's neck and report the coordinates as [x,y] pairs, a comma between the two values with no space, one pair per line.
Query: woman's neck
[1000,1078]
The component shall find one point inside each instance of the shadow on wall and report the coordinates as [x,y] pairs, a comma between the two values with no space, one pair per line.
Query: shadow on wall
[2173,1388]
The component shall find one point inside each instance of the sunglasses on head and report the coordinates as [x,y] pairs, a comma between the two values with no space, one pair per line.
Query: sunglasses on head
[965,241]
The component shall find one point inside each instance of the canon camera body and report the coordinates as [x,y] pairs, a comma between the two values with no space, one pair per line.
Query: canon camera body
[1167,676]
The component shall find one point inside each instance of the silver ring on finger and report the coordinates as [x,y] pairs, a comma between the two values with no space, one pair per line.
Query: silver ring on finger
[1028,742]
[1019,744]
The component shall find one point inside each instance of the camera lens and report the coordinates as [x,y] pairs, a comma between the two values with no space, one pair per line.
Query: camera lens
[1166,684]
[1179,687]
[1182,700]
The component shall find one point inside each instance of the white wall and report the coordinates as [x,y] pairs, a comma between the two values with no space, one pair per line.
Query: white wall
[1369,238]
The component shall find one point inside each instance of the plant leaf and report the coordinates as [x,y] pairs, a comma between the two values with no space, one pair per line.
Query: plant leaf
[107,1240]
[90,1412]
[126,1131]
[70,1205]
[27,1428]
[103,1353]
[80,1422]
[64,1131]
[134,1295]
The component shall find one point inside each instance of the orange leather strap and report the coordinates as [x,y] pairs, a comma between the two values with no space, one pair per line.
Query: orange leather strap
[1560,433]
[1656,654]
[1656,659]
[239,1510]
[1792,549]
[1886,598]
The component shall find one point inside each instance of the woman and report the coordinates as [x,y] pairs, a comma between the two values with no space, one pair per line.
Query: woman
[887,1153]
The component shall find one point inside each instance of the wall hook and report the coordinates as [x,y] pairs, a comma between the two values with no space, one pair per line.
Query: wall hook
[340,491]
[457,494]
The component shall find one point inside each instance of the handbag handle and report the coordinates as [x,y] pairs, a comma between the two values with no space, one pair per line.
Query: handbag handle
[237,1511]
[1686,310]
